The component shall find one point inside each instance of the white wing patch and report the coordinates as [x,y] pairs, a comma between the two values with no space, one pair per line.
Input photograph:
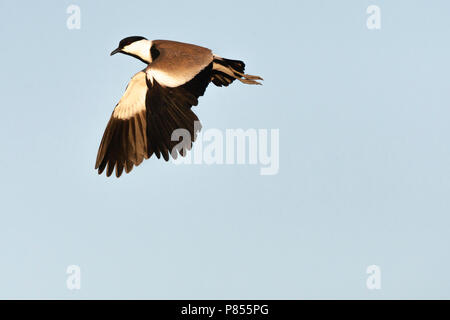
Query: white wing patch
[133,100]
[171,80]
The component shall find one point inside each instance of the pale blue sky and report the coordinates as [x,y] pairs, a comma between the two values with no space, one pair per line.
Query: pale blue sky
[364,154]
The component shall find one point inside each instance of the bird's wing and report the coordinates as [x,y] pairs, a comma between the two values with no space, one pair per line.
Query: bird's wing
[144,120]
[169,109]
[177,63]
[124,142]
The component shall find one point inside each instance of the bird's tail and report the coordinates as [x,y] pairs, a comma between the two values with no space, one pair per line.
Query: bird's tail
[225,71]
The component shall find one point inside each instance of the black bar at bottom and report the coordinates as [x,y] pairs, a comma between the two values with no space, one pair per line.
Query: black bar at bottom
[222,309]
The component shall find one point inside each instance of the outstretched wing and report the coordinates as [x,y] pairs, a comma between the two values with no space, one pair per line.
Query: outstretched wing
[144,120]
[169,109]
[177,63]
[124,143]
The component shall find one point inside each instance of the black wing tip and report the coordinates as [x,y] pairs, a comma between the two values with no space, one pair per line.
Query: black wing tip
[118,170]
[123,146]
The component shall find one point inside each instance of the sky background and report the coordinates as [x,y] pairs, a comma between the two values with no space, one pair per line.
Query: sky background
[364,154]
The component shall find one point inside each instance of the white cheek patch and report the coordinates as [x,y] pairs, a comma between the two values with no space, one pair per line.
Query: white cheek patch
[141,49]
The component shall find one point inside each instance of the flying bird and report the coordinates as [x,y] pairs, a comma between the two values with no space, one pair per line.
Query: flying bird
[158,100]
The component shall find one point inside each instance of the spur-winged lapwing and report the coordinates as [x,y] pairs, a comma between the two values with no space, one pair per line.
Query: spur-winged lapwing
[158,100]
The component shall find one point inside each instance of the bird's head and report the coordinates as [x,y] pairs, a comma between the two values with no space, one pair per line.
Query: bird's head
[136,46]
